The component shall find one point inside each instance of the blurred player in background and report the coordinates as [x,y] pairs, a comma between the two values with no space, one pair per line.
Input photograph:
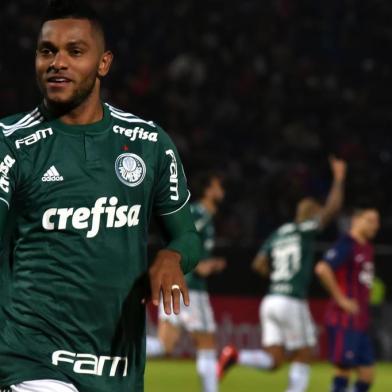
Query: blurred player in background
[287,258]
[346,271]
[198,318]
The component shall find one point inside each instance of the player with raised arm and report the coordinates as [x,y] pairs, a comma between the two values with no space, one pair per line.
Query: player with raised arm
[346,271]
[198,318]
[83,179]
[287,258]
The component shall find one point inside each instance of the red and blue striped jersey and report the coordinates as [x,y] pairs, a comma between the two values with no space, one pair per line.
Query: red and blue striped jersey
[353,265]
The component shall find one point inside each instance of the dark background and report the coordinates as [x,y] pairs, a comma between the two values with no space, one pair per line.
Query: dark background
[262,90]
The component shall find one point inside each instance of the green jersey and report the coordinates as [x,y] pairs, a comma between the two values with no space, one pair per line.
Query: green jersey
[205,226]
[290,250]
[83,197]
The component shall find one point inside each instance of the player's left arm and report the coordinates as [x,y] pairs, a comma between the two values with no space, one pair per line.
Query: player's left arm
[183,245]
[335,197]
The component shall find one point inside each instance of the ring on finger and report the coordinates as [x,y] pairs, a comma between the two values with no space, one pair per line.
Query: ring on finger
[175,287]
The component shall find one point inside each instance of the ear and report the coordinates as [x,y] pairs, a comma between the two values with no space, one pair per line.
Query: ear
[105,63]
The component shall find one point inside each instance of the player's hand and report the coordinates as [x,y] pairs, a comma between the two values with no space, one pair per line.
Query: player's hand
[220,264]
[210,266]
[338,168]
[349,305]
[167,280]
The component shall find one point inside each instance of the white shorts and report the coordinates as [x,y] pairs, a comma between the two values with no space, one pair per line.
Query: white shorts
[43,386]
[286,322]
[197,317]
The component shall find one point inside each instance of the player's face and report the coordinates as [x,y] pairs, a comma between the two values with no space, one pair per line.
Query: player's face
[368,223]
[216,190]
[70,59]
[315,210]
[308,208]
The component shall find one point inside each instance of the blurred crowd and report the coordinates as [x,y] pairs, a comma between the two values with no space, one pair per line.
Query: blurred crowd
[263,91]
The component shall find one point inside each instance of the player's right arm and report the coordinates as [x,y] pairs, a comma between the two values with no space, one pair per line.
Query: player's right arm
[325,270]
[209,266]
[335,197]
[260,265]
[261,262]
[8,175]
[3,219]
[327,277]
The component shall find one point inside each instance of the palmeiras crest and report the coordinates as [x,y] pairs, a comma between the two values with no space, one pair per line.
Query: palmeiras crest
[130,169]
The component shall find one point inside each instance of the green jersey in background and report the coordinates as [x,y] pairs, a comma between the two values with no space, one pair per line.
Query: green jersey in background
[290,250]
[205,226]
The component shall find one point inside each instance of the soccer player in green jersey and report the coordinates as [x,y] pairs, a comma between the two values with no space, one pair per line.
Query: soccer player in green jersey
[287,259]
[197,319]
[83,179]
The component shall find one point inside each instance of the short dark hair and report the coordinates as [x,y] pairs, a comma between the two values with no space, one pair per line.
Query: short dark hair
[203,180]
[73,9]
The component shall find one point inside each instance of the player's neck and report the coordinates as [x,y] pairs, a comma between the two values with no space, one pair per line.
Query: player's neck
[89,111]
[358,236]
[209,205]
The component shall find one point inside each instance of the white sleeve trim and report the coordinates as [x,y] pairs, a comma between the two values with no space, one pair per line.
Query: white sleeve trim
[6,202]
[179,208]
[313,224]
[199,224]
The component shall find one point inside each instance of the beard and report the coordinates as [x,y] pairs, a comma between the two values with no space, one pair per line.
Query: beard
[79,95]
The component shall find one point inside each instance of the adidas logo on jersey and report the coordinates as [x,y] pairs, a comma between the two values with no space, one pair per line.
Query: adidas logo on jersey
[52,175]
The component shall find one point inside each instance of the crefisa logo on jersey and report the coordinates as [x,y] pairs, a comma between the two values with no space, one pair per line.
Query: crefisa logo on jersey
[5,167]
[130,169]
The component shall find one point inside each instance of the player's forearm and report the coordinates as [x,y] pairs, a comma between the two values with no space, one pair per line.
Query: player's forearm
[334,201]
[327,277]
[260,265]
[261,271]
[3,219]
[183,238]
[203,268]
[188,245]
[209,266]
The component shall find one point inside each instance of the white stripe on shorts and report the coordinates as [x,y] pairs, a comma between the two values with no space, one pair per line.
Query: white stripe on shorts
[43,386]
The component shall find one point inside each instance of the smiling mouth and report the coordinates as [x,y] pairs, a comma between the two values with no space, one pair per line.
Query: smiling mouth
[58,81]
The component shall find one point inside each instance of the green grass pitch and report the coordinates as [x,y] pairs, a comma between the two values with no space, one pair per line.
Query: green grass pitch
[180,376]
